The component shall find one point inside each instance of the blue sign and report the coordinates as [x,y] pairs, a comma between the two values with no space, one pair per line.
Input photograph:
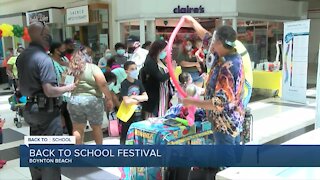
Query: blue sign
[169,156]
[188,9]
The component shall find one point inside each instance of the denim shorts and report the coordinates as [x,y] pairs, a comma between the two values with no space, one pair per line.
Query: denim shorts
[196,77]
[86,108]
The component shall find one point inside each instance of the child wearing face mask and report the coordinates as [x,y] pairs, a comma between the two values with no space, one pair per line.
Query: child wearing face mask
[132,92]
[120,54]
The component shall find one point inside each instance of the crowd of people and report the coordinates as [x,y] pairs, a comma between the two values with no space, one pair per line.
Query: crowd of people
[140,78]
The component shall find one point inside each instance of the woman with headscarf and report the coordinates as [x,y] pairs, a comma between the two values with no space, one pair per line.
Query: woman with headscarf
[86,102]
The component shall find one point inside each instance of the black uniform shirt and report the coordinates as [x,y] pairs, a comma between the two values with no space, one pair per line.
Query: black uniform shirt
[35,68]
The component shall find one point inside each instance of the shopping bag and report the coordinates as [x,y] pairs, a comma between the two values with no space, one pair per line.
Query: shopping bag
[125,112]
[113,128]
[247,133]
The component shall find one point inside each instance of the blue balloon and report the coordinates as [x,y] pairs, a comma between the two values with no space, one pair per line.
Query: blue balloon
[23,99]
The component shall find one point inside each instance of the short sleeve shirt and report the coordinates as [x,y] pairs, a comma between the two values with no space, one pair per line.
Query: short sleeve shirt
[12,62]
[128,89]
[121,76]
[35,68]
[241,49]
[225,88]
[120,60]
[187,58]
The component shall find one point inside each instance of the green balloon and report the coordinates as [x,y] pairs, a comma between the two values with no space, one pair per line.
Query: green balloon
[17,31]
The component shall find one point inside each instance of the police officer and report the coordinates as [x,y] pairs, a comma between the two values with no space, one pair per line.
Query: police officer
[38,82]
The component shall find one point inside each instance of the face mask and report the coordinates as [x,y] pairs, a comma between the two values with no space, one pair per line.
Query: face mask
[121,52]
[163,55]
[205,51]
[111,85]
[188,48]
[62,54]
[108,55]
[134,74]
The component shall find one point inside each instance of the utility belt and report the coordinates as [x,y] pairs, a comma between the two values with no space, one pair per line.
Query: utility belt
[45,103]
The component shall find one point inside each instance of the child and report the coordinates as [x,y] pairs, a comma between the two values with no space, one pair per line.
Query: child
[185,80]
[200,55]
[132,92]
[111,78]
[2,121]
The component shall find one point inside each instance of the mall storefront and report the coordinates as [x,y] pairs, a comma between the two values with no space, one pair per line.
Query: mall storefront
[258,29]
[89,25]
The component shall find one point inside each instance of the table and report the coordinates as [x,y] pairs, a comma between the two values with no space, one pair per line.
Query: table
[268,80]
[154,132]
[310,138]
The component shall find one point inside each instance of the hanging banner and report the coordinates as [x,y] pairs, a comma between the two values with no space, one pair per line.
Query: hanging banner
[37,16]
[78,15]
[317,123]
[295,61]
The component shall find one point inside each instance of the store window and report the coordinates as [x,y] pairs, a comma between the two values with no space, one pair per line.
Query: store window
[129,33]
[93,33]
[260,39]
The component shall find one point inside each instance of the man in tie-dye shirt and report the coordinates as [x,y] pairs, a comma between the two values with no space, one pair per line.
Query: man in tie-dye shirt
[224,89]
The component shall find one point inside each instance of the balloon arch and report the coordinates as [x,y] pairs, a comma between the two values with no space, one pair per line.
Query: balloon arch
[7,30]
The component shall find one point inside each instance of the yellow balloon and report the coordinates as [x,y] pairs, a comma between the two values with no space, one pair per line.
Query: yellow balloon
[6,30]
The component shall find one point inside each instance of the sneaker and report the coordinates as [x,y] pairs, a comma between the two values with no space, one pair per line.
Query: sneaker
[3,162]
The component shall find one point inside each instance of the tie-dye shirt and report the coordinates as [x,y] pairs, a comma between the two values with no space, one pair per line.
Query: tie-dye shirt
[225,89]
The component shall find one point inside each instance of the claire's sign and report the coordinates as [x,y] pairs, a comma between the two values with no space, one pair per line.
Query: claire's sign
[188,9]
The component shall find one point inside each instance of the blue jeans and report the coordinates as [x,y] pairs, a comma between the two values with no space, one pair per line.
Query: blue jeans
[196,77]
[225,139]
[226,155]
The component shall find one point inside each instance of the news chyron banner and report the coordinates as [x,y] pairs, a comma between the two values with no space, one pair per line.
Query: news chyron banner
[35,154]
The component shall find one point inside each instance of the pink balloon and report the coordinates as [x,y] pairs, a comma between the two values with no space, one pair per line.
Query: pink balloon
[191,113]
[169,58]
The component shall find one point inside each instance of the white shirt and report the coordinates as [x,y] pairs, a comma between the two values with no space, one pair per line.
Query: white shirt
[139,57]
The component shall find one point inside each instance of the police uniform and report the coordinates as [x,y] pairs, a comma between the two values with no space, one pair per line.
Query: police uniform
[42,114]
